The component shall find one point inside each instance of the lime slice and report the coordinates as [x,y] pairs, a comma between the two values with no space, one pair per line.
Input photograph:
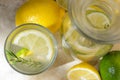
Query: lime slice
[23,53]
[98,20]
[35,41]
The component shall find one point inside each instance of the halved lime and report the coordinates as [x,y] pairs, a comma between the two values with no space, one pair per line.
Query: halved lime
[98,19]
[36,42]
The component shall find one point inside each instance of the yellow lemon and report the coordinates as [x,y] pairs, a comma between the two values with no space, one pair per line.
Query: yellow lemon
[44,12]
[83,71]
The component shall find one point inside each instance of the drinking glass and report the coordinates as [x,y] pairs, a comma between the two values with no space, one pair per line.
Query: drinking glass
[30,49]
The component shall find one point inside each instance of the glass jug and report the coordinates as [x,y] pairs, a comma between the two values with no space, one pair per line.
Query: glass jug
[97,20]
[79,46]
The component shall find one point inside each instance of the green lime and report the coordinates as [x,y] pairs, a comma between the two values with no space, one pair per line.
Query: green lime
[110,66]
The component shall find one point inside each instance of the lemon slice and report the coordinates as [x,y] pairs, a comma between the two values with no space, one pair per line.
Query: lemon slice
[37,42]
[98,20]
[83,71]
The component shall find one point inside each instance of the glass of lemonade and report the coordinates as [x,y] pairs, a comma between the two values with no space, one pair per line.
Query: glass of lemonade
[30,49]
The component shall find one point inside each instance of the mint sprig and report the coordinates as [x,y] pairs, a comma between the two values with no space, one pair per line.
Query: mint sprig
[15,59]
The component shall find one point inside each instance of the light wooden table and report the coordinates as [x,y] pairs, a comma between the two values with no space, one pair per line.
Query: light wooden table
[56,72]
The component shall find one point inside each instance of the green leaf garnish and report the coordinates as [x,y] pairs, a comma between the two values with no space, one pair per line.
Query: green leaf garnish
[15,59]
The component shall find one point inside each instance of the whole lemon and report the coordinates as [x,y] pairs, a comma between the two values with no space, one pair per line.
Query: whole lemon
[44,12]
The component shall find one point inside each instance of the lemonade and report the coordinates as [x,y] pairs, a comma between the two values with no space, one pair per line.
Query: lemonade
[30,49]
[79,46]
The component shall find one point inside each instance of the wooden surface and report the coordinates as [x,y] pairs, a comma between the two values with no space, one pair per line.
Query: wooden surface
[56,72]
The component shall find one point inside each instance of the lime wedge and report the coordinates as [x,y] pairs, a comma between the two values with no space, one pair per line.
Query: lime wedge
[35,42]
[23,53]
[98,20]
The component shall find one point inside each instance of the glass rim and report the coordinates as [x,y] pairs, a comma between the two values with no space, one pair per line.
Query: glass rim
[44,67]
[99,36]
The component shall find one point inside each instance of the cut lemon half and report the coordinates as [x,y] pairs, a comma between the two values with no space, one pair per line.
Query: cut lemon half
[98,20]
[83,71]
[37,42]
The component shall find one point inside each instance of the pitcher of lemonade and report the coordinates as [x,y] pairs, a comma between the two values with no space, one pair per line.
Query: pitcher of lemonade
[96,19]
[91,27]
[79,46]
